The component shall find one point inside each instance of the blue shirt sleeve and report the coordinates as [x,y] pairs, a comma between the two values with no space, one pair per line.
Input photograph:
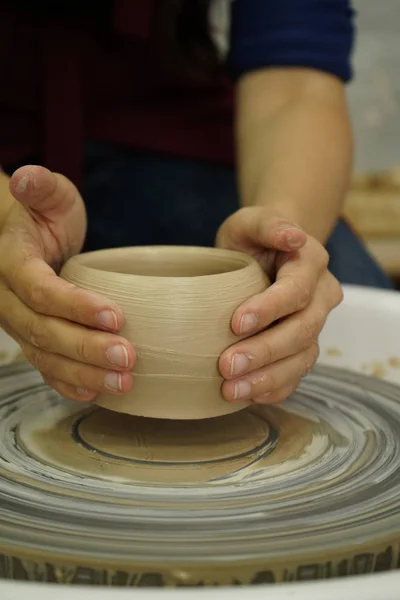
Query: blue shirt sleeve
[315,34]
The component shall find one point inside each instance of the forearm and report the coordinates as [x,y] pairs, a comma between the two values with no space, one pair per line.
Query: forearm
[6,199]
[294,146]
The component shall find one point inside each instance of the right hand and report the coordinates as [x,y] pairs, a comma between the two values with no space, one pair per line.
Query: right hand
[70,335]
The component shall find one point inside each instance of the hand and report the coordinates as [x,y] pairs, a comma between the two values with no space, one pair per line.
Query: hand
[68,334]
[268,366]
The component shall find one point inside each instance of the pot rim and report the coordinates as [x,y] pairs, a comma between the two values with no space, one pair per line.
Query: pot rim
[242,260]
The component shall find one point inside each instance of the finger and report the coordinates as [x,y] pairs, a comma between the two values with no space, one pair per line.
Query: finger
[71,392]
[270,378]
[293,290]
[290,336]
[42,191]
[65,338]
[77,374]
[251,227]
[56,208]
[278,396]
[37,285]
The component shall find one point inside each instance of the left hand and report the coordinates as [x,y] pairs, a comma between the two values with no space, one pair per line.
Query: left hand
[268,366]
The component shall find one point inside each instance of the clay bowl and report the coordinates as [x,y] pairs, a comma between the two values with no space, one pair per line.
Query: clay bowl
[178,304]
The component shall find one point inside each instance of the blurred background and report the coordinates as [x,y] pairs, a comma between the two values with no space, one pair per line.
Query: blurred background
[373,203]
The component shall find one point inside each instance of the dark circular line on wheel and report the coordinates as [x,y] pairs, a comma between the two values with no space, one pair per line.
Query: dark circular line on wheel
[265,448]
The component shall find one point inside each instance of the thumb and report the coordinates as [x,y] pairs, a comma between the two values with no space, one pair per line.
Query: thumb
[42,191]
[54,203]
[254,227]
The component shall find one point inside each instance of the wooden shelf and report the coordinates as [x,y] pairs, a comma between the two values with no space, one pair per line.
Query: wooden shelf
[374,214]
[373,209]
[387,253]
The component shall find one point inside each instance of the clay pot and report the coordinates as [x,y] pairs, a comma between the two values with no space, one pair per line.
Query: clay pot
[178,304]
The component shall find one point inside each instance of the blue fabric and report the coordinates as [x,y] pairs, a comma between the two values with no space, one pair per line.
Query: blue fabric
[315,34]
[135,198]
[351,263]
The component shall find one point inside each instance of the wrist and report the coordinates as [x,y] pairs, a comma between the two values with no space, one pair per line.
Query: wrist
[295,160]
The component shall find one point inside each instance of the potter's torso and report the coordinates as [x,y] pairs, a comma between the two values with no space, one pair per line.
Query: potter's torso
[75,76]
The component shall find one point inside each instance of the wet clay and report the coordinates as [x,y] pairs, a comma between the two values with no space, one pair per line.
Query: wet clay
[306,490]
[159,452]
[178,304]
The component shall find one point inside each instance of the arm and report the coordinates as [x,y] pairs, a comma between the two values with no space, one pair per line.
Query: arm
[294,151]
[291,61]
[294,146]
[294,157]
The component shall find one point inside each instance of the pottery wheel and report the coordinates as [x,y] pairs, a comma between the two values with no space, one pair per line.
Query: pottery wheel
[307,490]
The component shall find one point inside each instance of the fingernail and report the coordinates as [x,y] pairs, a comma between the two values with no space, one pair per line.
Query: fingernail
[293,244]
[107,319]
[242,389]
[113,382]
[248,323]
[240,364]
[118,355]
